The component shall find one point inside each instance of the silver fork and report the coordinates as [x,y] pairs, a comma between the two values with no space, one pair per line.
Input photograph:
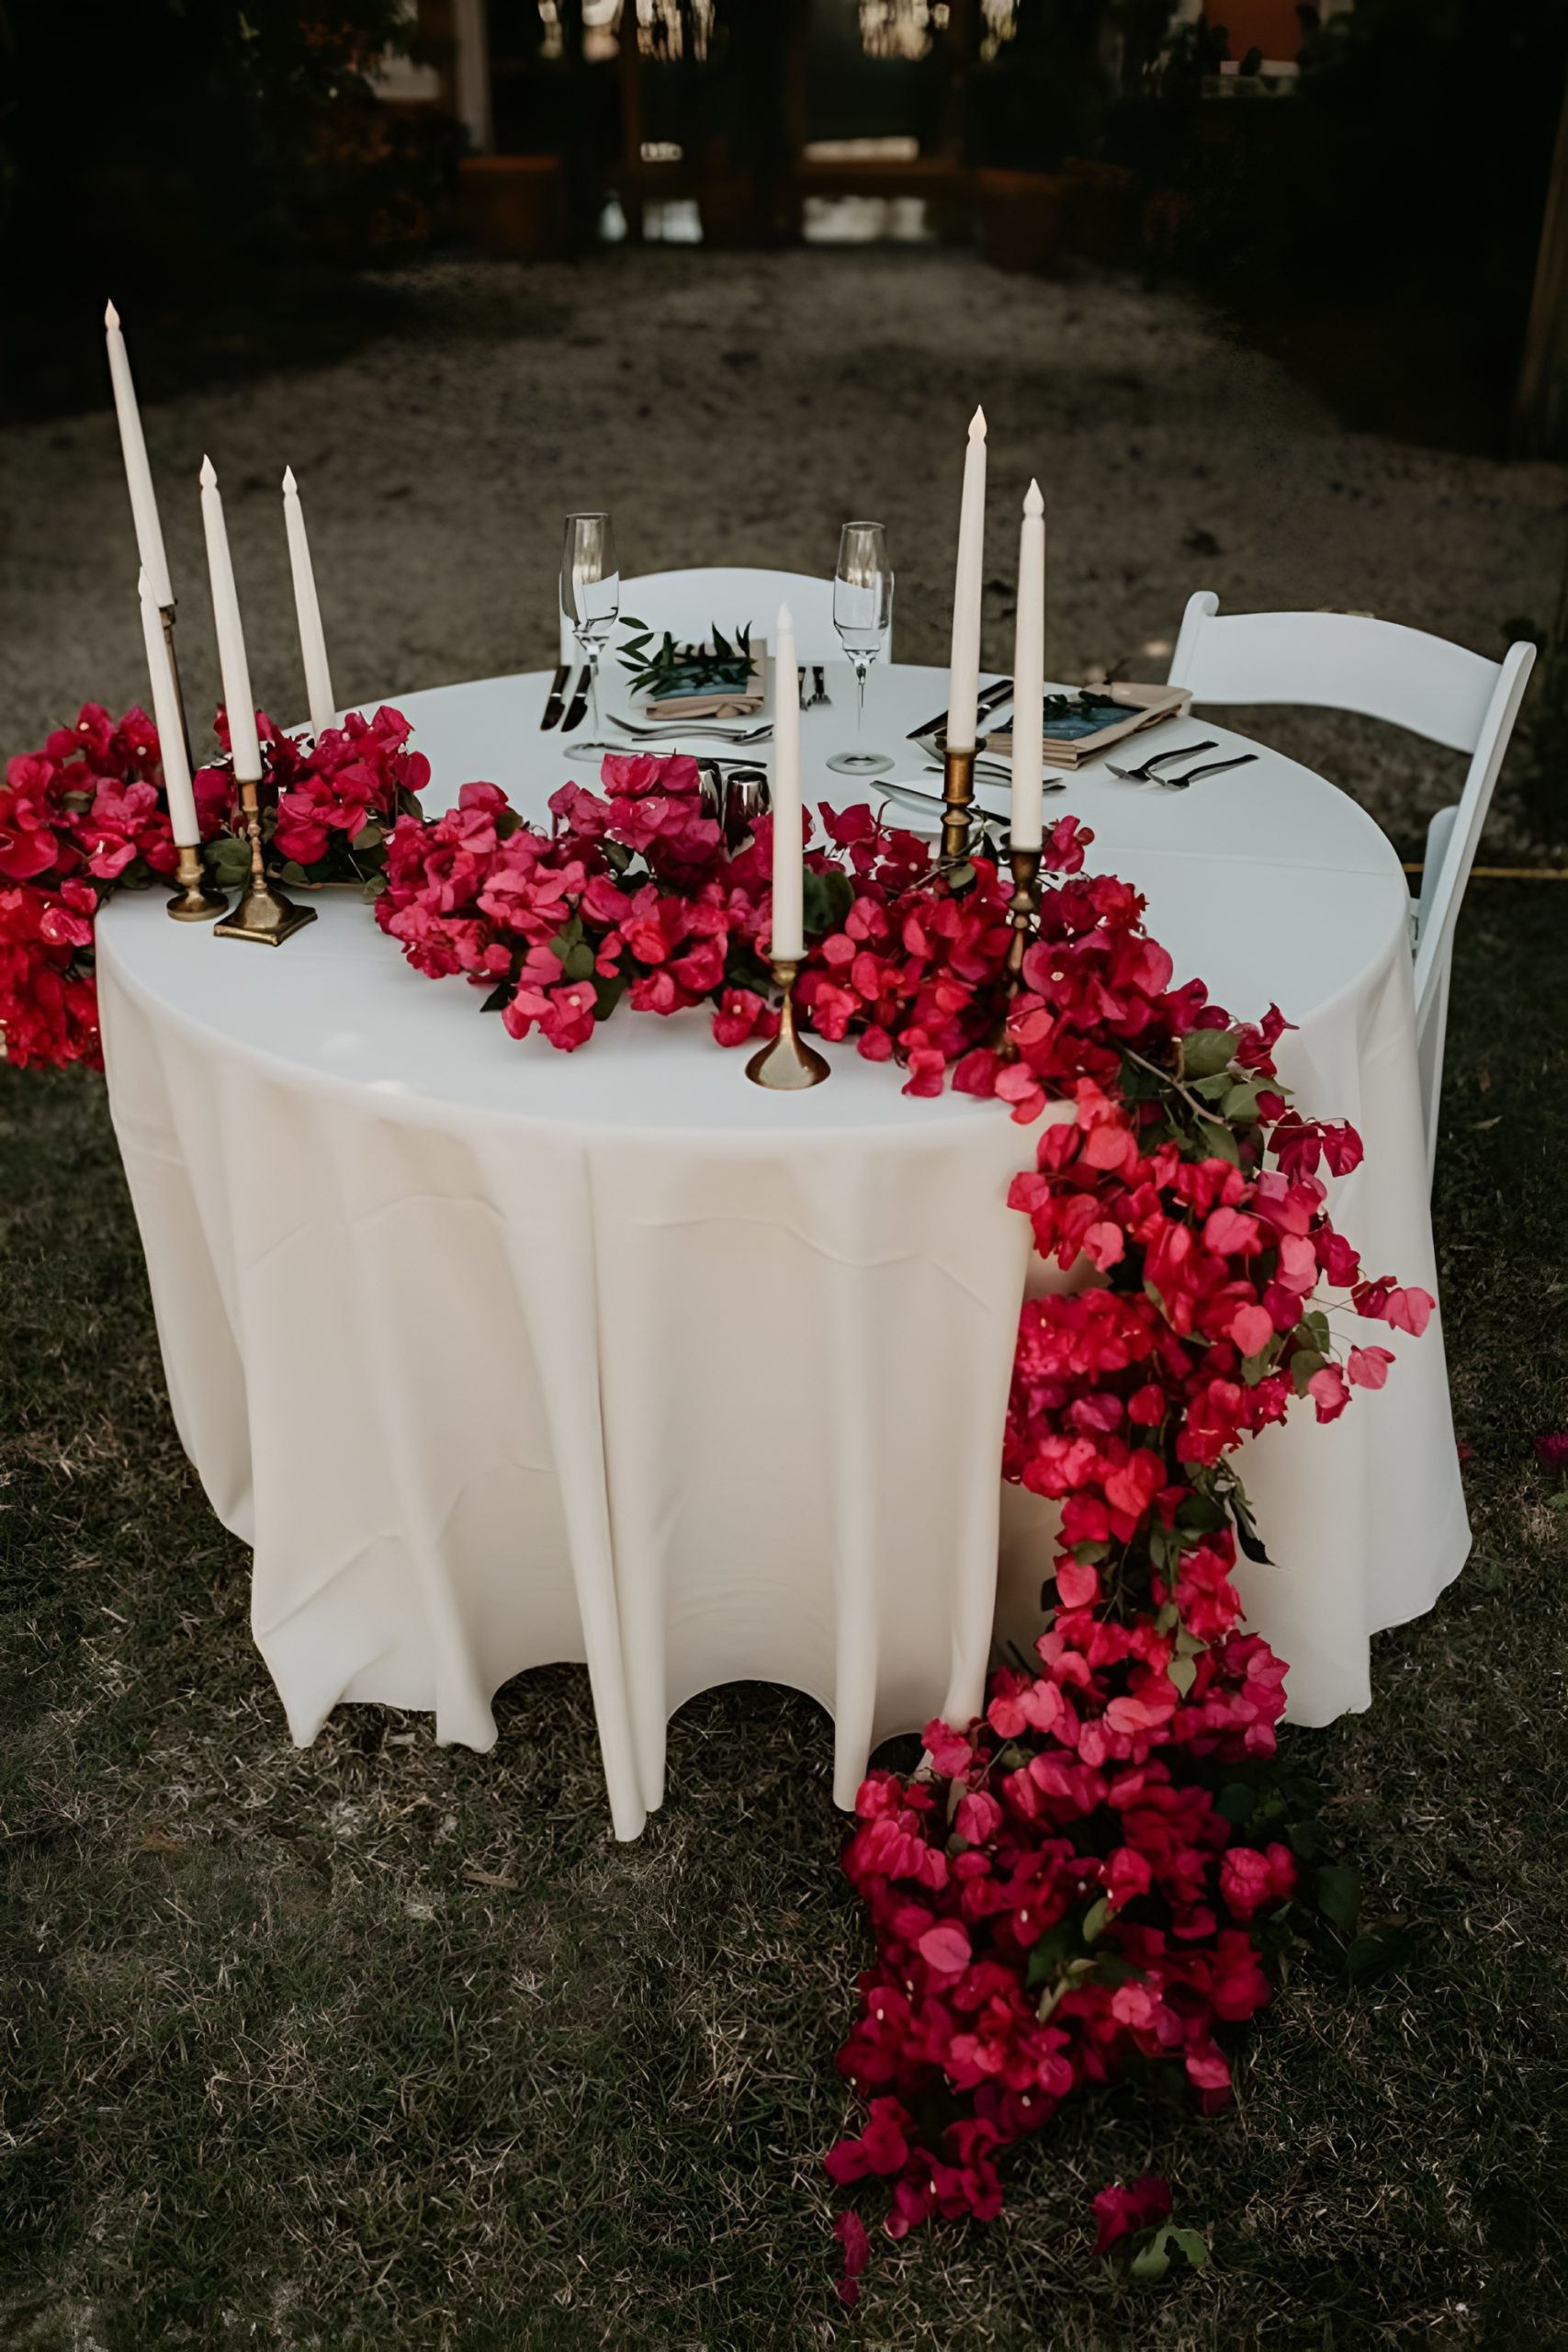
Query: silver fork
[672,743]
[663,727]
[1145,773]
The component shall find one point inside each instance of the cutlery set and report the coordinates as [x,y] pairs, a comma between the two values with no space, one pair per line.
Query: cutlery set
[560,711]
[566,706]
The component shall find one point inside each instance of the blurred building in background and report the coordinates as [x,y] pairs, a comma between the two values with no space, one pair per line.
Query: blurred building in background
[1366,186]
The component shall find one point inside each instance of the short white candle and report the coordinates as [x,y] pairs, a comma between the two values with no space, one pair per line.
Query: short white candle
[789,839]
[171,735]
[313,642]
[138,473]
[1028,679]
[968,587]
[231,660]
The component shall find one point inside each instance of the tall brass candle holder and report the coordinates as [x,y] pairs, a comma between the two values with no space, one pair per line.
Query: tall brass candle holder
[196,900]
[167,614]
[957,803]
[786,1063]
[262,910]
[1023,908]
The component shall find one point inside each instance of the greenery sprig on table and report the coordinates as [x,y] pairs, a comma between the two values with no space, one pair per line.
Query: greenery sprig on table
[725,667]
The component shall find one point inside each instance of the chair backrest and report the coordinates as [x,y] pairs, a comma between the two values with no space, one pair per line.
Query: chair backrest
[1351,662]
[688,603]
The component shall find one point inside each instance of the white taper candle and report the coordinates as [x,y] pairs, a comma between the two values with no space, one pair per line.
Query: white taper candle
[788,932]
[138,473]
[231,660]
[968,588]
[312,642]
[1029,678]
[171,734]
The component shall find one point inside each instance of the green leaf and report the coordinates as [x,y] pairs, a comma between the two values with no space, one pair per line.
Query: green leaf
[499,996]
[1304,1363]
[826,900]
[1153,2260]
[1237,1803]
[1206,1052]
[1193,2244]
[1049,1956]
[1182,1673]
[369,836]
[1338,1891]
[1097,1918]
[1219,1142]
[577,964]
[1240,1103]
[608,989]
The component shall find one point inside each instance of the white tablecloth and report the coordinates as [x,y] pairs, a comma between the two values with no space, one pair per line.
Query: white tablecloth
[498,1356]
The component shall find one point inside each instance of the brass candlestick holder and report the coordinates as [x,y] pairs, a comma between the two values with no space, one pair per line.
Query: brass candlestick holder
[196,900]
[167,614]
[263,911]
[786,1063]
[1022,906]
[957,803]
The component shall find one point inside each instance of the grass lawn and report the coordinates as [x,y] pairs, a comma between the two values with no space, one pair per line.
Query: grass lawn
[380,2043]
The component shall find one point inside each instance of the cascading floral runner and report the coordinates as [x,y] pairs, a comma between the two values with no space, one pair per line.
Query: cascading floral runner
[1093,1880]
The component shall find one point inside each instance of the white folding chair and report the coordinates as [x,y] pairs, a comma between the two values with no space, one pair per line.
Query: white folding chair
[690,603]
[1439,691]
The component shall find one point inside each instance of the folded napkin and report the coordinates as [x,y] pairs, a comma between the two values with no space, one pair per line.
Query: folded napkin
[1075,737]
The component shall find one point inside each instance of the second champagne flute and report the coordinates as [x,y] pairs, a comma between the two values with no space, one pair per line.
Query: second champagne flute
[590,593]
[863,614]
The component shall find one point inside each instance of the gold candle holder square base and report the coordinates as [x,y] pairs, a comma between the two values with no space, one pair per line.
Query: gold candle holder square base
[263,912]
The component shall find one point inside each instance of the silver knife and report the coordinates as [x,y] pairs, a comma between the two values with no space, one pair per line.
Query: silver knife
[555,702]
[984,703]
[577,710]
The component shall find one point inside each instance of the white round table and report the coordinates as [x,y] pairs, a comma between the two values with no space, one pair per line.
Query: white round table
[498,1356]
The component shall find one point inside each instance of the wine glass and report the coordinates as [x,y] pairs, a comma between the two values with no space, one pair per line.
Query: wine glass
[863,614]
[590,593]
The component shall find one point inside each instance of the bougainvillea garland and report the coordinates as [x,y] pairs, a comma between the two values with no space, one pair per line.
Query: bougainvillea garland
[86,816]
[1068,1891]
[1061,1896]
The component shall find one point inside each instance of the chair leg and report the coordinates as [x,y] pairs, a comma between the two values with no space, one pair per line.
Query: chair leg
[1430,1061]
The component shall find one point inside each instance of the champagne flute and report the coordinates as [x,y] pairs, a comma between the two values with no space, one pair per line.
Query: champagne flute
[863,614]
[590,593]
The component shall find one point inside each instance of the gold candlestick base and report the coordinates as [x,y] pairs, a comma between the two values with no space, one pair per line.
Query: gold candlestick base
[263,912]
[786,1062]
[196,900]
[1022,908]
[957,803]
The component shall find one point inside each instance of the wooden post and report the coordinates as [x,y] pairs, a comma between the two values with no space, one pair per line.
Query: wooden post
[1541,406]
[470,35]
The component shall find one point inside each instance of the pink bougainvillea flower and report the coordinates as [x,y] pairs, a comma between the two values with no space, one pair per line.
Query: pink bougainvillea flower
[849,2230]
[1119,2211]
[1551,1452]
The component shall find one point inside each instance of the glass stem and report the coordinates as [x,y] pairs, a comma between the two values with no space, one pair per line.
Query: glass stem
[860,668]
[594,690]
